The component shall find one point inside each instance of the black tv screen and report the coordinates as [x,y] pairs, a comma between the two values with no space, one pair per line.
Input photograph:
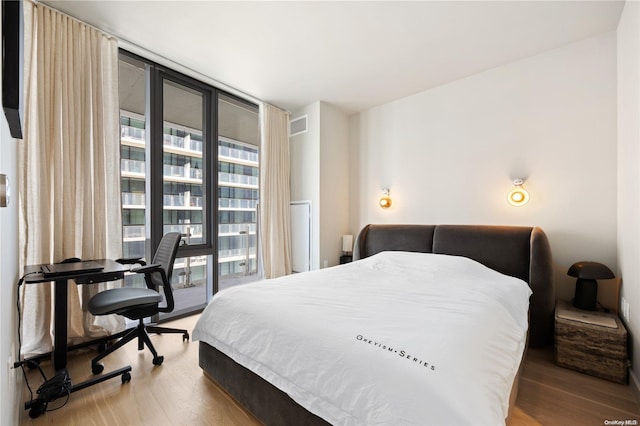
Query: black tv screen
[12,64]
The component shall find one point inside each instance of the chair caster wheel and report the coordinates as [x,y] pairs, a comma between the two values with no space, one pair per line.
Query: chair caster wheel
[97,368]
[126,377]
[185,337]
[158,360]
[37,409]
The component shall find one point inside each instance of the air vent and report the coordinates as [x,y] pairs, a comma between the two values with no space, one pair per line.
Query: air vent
[298,125]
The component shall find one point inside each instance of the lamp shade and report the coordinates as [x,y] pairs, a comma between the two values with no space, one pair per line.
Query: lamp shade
[347,243]
[590,270]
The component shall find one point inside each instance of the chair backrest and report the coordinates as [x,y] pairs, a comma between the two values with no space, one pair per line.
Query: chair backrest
[165,256]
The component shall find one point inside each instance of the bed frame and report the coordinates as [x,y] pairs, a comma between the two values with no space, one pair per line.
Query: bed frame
[522,252]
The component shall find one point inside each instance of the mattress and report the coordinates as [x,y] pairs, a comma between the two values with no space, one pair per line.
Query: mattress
[396,338]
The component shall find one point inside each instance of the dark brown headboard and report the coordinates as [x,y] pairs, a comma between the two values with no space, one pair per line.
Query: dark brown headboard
[518,251]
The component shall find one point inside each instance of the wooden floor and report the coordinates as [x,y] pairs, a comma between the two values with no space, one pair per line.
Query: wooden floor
[178,393]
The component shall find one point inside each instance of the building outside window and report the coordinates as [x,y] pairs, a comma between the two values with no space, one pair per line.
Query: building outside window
[237,211]
[238,193]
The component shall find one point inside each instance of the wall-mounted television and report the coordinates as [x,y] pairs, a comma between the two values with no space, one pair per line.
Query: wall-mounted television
[12,36]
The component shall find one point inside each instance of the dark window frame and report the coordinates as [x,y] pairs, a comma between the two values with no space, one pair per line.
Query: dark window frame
[154,131]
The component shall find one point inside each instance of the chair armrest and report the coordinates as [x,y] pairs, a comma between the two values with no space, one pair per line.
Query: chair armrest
[131,261]
[152,270]
[147,268]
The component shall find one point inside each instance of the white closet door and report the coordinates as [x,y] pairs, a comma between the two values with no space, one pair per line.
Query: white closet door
[301,236]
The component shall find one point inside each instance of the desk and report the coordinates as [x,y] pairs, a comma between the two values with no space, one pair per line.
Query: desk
[112,271]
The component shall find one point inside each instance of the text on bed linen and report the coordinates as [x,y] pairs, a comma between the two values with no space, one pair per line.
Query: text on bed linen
[400,352]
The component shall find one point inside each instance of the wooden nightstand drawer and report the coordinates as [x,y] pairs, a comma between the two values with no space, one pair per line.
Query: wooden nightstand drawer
[591,348]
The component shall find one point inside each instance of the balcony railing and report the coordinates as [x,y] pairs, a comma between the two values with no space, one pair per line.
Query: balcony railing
[225,151]
[189,144]
[137,199]
[236,203]
[235,253]
[240,179]
[195,261]
[182,143]
[186,172]
[184,200]
[195,174]
[236,228]
[132,166]
[132,133]
[133,199]
[194,230]
[169,171]
[133,231]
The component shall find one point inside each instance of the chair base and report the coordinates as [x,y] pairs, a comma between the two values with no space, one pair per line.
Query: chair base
[141,332]
[159,330]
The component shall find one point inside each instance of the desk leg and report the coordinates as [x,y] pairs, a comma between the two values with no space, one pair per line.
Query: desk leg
[60,325]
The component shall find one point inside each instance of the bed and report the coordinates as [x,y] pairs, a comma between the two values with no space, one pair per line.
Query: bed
[376,342]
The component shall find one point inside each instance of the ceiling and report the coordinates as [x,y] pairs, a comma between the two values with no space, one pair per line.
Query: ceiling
[354,55]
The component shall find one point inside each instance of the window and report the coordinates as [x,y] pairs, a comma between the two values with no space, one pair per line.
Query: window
[175,133]
[238,191]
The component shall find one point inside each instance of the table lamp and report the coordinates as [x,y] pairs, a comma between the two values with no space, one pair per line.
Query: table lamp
[347,249]
[587,274]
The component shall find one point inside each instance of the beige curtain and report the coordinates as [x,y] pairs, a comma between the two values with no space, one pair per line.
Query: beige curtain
[69,166]
[275,194]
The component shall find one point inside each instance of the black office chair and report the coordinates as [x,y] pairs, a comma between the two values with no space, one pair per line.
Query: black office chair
[140,303]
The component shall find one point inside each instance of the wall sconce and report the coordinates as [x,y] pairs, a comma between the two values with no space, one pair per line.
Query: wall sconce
[385,200]
[587,274]
[518,196]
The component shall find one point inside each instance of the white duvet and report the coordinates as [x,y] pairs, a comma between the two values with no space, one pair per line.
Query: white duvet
[394,339]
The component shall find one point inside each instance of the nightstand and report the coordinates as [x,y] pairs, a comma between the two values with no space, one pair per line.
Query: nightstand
[591,342]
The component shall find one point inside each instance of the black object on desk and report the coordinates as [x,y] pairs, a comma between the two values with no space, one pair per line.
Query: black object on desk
[109,271]
[70,266]
[587,274]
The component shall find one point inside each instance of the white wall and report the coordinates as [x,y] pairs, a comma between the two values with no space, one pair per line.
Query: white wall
[319,173]
[449,154]
[10,397]
[334,189]
[629,169]
[305,172]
